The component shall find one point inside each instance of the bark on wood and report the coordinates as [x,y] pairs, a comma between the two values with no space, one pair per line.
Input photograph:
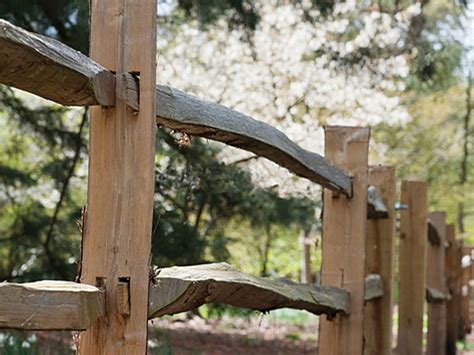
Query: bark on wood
[380,260]
[117,242]
[344,233]
[50,69]
[49,305]
[180,111]
[413,240]
[180,289]
[373,287]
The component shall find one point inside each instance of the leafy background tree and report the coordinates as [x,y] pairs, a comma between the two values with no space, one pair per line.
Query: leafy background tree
[43,160]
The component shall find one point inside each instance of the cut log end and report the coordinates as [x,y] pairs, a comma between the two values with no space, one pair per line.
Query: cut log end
[49,305]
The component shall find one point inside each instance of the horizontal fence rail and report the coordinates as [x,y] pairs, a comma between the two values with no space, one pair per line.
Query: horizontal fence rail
[50,69]
[183,288]
[49,305]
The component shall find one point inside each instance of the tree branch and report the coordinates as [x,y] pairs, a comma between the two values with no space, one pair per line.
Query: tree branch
[54,219]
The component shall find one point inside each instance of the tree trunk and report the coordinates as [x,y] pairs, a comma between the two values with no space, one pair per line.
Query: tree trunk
[464,162]
[306,276]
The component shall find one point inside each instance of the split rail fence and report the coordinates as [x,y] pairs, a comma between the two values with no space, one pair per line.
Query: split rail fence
[119,291]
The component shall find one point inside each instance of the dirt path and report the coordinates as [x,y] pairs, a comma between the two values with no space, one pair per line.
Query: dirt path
[233,336]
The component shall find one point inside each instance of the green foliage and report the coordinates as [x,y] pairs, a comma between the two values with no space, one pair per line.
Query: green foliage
[67,20]
[35,156]
[239,12]
[197,196]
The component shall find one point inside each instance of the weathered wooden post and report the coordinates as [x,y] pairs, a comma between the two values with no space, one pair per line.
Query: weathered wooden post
[436,279]
[466,294]
[116,247]
[453,305]
[344,231]
[413,231]
[379,249]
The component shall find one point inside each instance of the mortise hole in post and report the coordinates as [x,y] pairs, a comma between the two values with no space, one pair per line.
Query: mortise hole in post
[123,295]
[131,90]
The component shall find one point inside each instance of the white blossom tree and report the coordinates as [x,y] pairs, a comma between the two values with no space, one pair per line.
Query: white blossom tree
[300,70]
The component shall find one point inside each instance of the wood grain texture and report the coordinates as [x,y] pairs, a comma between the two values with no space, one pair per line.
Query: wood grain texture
[121,177]
[380,260]
[413,240]
[436,279]
[344,231]
[183,288]
[453,305]
[49,305]
[186,113]
[50,69]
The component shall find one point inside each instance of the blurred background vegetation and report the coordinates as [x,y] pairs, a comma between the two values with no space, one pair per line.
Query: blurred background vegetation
[207,210]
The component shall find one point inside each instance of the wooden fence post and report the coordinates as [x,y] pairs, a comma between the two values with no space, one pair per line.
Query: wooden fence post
[453,265]
[436,278]
[379,249]
[466,295]
[116,246]
[471,293]
[344,231]
[413,240]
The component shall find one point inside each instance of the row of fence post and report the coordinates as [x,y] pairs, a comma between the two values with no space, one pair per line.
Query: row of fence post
[432,281]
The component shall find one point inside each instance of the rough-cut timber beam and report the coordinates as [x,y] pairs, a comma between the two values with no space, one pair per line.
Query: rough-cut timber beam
[180,289]
[375,206]
[433,295]
[49,305]
[178,110]
[373,287]
[48,68]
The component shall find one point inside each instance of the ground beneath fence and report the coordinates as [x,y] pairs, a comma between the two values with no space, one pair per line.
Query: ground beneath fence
[468,345]
[231,336]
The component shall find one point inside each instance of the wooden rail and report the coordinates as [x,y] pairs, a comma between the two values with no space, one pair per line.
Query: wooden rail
[373,287]
[376,208]
[50,69]
[49,305]
[182,288]
[180,111]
